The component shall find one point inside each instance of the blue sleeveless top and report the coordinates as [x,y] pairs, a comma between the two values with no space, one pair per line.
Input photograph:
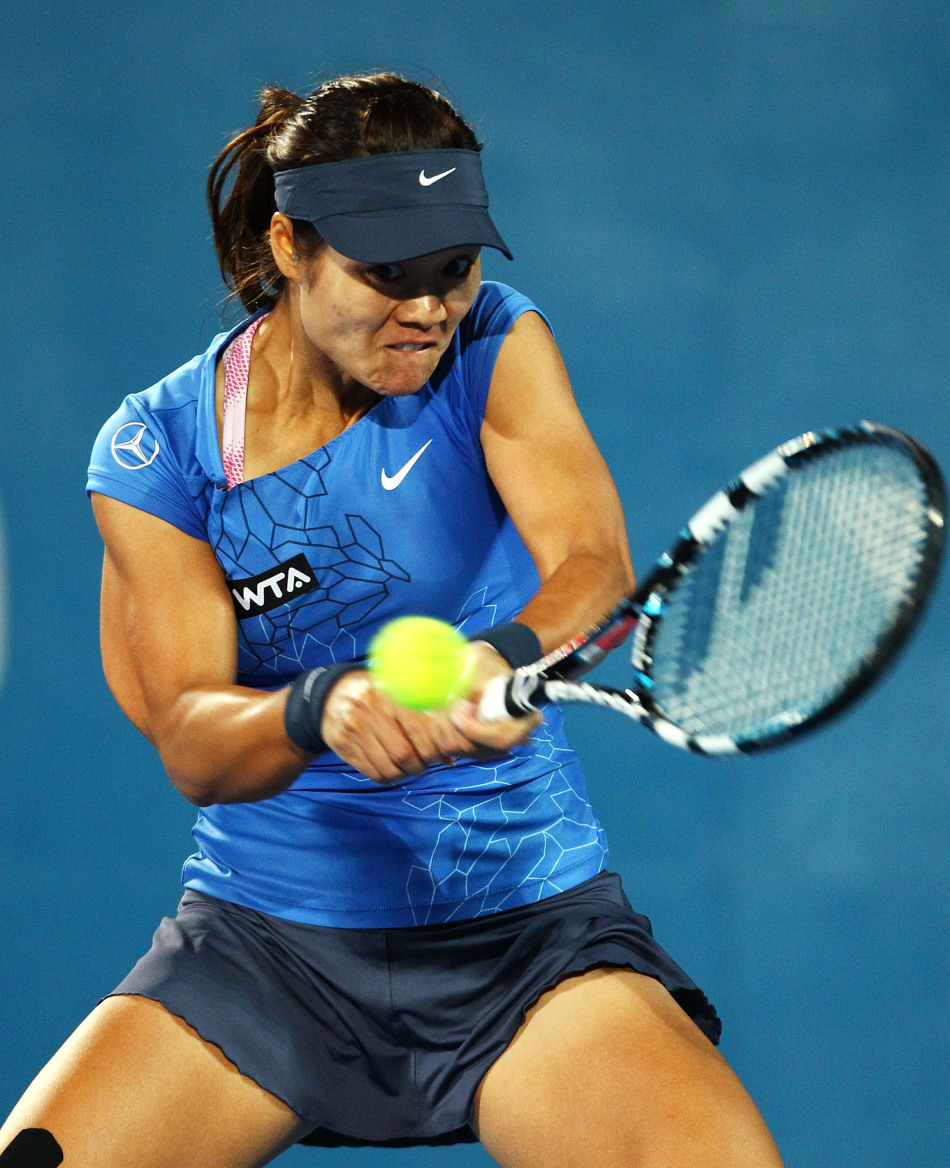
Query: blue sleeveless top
[396,515]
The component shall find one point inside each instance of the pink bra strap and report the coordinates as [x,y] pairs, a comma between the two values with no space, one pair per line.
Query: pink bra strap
[237,366]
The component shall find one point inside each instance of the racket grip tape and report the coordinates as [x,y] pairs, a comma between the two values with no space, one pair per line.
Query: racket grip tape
[510,696]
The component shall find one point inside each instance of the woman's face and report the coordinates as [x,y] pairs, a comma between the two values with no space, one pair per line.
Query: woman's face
[385,326]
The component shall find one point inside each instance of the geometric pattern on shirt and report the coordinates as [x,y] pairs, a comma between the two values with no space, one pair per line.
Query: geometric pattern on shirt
[451,874]
[461,812]
[353,572]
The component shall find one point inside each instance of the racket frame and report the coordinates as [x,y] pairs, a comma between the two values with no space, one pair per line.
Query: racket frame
[552,677]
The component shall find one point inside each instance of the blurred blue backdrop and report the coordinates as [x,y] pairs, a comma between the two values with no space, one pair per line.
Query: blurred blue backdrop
[737,215]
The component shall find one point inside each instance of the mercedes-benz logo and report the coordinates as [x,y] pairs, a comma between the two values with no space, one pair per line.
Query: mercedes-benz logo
[133,446]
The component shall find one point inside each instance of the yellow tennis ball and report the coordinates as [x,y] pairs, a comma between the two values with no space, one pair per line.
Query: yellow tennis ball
[420,662]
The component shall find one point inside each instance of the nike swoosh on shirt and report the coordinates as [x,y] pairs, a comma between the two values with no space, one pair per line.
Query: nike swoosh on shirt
[391,483]
[427,182]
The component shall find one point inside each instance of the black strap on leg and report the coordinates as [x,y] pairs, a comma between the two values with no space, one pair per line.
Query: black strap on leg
[34,1147]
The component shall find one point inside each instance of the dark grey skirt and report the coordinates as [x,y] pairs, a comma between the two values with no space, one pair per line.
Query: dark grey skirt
[381,1036]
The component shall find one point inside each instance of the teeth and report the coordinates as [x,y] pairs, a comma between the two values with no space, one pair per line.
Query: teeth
[409,348]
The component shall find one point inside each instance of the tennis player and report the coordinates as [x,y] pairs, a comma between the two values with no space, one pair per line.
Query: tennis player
[398,928]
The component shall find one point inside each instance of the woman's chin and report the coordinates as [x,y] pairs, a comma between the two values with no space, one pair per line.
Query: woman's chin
[401,383]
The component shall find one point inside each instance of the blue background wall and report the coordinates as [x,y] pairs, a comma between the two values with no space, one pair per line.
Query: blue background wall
[737,213]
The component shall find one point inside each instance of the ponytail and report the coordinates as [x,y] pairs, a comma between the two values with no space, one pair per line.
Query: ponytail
[241,224]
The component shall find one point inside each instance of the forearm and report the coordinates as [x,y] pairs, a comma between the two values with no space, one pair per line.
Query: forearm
[227,744]
[577,594]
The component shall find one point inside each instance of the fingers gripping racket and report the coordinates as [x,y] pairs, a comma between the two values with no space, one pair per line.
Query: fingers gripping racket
[783,599]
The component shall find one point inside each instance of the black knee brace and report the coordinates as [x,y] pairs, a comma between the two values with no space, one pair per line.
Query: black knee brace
[34,1147]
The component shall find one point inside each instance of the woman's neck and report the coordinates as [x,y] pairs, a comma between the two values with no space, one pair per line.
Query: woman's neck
[290,376]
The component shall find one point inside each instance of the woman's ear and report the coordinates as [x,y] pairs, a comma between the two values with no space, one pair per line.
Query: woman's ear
[282,246]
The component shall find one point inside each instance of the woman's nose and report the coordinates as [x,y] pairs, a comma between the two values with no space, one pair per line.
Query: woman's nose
[424,311]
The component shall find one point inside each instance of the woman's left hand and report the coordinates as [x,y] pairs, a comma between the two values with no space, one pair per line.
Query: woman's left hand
[388,742]
[458,730]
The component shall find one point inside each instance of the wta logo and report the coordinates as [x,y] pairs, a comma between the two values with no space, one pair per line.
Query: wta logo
[271,589]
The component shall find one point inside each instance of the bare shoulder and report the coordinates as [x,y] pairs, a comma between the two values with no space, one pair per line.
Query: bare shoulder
[139,541]
[530,378]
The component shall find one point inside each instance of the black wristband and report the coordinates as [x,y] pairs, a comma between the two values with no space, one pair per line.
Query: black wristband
[303,713]
[518,644]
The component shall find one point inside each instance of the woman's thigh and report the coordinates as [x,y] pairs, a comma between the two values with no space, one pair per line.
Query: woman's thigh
[608,1070]
[135,1087]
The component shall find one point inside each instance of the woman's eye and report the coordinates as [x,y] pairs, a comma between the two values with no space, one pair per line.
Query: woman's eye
[387,273]
[459,267]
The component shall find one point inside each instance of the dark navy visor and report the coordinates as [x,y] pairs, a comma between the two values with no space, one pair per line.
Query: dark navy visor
[392,207]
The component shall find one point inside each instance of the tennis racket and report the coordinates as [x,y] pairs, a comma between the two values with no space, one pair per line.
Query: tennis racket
[783,599]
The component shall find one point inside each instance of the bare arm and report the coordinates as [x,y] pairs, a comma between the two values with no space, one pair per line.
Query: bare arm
[555,485]
[559,493]
[169,650]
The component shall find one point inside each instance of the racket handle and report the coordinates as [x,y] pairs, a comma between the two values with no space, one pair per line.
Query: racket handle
[511,696]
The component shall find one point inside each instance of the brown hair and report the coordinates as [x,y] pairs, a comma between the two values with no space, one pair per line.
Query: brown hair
[349,117]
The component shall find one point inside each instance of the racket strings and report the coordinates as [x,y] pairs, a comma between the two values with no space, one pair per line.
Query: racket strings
[790,599]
